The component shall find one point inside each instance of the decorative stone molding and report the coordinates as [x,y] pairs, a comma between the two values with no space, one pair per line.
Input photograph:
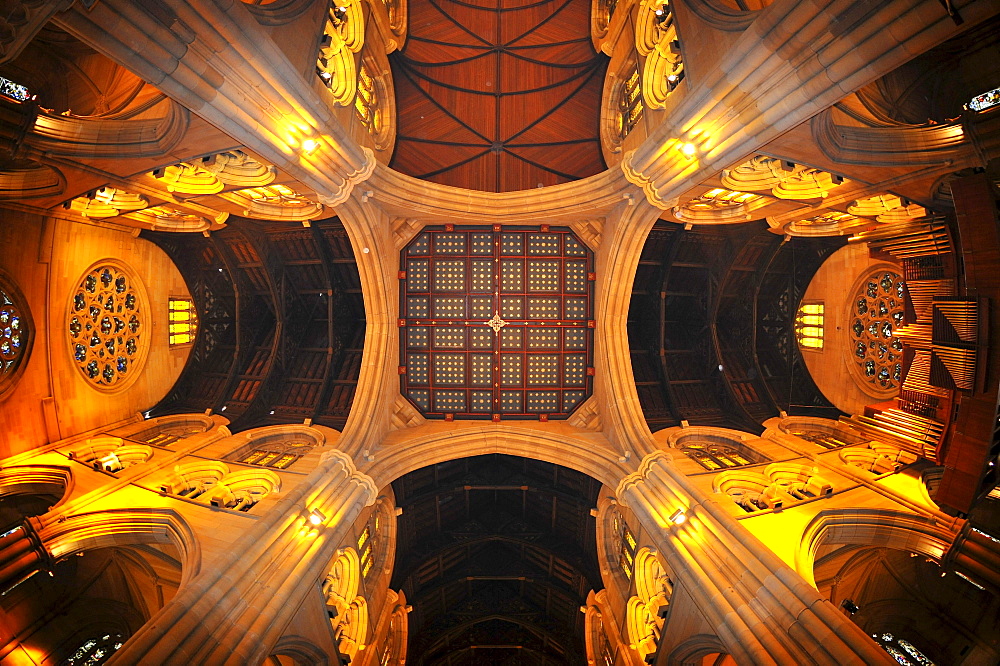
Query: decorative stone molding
[586,416]
[31,181]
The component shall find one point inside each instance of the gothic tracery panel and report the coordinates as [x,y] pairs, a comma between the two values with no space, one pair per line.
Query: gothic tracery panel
[107,325]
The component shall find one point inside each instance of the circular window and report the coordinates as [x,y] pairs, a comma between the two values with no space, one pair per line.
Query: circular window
[107,326]
[876,312]
[15,334]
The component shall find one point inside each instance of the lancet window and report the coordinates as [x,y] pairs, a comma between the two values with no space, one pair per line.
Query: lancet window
[809,325]
[276,453]
[983,101]
[902,650]
[366,102]
[626,544]
[95,651]
[13,334]
[14,90]
[182,321]
[629,102]
[720,456]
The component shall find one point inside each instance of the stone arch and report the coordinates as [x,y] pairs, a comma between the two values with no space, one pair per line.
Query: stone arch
[877,458]
[243,489]
[352,631]
[694,650]
[611,547]
[620,70]
[587,453]
[871,527]
[165,430]
[30,180]
[295,441]
[110,453]
[297,649]
[750,490]
[343,581]
[192,480]
[696,441]
[384,129]
[722,15]
[799,481]
[29,491]
[119,527]
[641,627]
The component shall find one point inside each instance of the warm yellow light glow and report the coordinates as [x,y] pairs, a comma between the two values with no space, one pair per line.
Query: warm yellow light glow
[688,149]
[678,517]
[316,517]
[309,145]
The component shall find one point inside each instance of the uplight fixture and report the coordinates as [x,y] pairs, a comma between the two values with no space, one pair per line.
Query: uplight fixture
[678,517]
[309,145]
[688,149]
[316,517]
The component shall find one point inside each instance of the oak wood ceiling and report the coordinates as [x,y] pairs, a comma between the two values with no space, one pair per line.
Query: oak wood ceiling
[499,95]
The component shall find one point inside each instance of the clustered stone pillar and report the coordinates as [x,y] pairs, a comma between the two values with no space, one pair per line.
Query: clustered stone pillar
[761,610]
[237,608]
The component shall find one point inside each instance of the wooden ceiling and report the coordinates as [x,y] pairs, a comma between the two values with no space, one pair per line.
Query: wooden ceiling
[499,95]
[497,554]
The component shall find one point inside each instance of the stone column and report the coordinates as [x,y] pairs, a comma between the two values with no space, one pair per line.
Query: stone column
[215,59]
[761,610]
[795,59]
[237,607]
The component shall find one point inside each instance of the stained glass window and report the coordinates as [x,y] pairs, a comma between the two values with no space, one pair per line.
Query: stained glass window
[986,100]
[182,321]
[13,90]
[107,326]
[278,452]
[13,334]
[496,323]
[629,103]
[902,650]
[876,313]
[719,456]
[809,325]
[627,544]
[95,651]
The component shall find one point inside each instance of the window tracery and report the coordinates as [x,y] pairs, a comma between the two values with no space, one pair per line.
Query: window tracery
[107,326]
[15,335]
[94,651]
[182,321]
[366,103]
[275,451]
[13,90]
[626,543]
[785,180]
[902,650]
[809,325]
[108,202]
[656,38]
[720,456]
[984,101]
[629,103]
[720,205]
[876,314]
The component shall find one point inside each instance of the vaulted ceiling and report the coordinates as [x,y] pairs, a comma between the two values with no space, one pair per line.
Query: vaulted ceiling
[499,96]
[498,554]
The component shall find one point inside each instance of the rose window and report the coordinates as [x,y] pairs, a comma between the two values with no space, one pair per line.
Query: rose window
[107,326]
[876,313]
[13,334]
